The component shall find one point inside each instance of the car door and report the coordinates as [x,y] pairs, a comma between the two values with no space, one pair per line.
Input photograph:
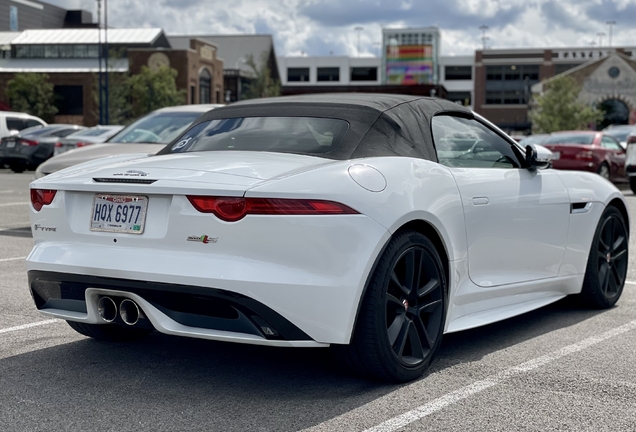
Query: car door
[615,157]
[516,219]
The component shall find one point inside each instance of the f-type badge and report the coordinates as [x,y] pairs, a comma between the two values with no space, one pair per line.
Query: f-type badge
[203,239]
[132,173]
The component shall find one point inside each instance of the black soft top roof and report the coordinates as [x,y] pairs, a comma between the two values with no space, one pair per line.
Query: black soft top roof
[379,124]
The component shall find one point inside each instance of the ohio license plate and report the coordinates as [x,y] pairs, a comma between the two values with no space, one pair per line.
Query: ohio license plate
[556,155]
[119,213]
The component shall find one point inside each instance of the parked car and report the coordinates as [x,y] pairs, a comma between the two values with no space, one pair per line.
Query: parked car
[33,146]
[588,151]
[147,134]
[630,160]
[533,139]
[93,135]
[16,122]
[346,220]
[620,132]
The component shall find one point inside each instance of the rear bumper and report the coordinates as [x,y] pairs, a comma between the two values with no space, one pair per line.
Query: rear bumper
[180,310]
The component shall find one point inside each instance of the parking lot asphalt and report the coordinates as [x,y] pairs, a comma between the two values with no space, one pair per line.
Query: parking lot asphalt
[558,368]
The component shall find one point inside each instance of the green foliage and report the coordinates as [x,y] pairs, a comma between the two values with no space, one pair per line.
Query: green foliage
[262,85]
[119,106]
[32,93]
[559,108]
[153,90]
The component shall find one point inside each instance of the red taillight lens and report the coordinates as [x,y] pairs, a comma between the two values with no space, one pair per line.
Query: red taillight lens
[234,209]
[26,142]
[585,155]
[58,144]
[80,144]
[41,197]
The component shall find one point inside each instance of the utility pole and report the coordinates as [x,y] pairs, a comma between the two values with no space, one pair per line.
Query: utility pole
[484,38]
[99,56]
[600,39]
[358,30]
[107,110]
[610,24]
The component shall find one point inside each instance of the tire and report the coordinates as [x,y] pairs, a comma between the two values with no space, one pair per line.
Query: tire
[110,332]
[632,184]
[399,328]
[18,168]
[604,171]
[607,262]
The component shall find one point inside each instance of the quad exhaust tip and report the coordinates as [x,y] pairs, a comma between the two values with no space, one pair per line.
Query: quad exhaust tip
[107,309]
[129,312]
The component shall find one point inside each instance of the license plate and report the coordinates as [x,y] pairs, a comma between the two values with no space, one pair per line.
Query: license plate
[119,213]
[556,155]
[10,144]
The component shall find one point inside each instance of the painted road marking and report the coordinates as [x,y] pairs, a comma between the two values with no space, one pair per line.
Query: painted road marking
[26,326]
[630,283]
[14,204]
[12,259]
[479,386]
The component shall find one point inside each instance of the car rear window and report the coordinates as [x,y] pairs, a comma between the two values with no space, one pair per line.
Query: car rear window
[570,139]
[160,128]
[307,135]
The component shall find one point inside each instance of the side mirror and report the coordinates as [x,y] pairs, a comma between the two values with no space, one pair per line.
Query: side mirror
[538,157]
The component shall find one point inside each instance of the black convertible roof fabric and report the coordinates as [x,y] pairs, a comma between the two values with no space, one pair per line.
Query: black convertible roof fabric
[379,124]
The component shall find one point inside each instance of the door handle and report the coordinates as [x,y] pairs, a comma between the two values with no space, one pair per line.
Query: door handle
[479,201]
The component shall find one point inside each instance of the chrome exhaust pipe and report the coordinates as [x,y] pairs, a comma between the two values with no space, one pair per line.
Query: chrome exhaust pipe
[107,309]
[129,312]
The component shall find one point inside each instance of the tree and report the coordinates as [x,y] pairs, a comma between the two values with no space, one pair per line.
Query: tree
[262,84]
[32,93]
[153,90]
[560,109]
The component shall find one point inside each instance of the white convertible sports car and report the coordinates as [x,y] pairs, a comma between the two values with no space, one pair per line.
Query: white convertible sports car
[371,223]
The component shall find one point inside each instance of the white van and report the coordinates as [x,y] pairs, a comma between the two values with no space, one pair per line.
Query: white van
[10,121]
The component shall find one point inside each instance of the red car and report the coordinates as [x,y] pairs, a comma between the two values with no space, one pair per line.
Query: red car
[588,151]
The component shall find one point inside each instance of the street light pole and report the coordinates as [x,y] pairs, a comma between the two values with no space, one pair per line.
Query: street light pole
[106,111]
[610,24]
[484,38]
[358,30]
[99,56]
[600,39]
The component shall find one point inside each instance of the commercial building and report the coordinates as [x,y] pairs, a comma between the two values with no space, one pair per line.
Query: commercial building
[18,15]
[504,78]
[70,58]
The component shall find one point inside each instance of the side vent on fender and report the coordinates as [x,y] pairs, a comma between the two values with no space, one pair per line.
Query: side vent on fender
[580,207]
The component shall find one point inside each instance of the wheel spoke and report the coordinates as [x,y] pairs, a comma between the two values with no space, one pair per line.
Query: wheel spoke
[612,285]
[619,241]
[603,275]
[618,279]
[428,288]
[417,273]
[617,256]
[394,302]
[395,327]
[430,308]
[397,282]
[416,343]
[421,329]
[402,337]
[409,271]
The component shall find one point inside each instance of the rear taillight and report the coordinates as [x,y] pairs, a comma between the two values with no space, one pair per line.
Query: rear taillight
[58,144]
[80,144]
[28,143]
[585,155]
[233,209]
[41,197]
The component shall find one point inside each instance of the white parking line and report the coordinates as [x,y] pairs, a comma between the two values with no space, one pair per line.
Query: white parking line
[12,259]
[630,283]
[26,326]
[479,386]
[14,203]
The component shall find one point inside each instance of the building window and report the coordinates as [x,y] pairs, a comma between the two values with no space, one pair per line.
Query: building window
[462,98]
[80,51]
[458,73]
[560,68]
[218,97]
[364,74]
[193,93]
[205,87]
[69,100]
[66,51]
[328,74]
[510,84]
[298,74]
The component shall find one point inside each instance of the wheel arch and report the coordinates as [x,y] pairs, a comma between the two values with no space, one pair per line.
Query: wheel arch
[423,227]
[620,205]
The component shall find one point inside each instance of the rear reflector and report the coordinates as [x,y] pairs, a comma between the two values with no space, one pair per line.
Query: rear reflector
[233,209]
[28,143]
[41,197]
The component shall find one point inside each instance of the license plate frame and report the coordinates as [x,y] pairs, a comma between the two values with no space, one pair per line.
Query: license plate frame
[110,224]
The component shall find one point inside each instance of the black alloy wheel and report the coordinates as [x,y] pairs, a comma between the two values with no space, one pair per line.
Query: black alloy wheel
[401,319]
[607,263]
[414,306]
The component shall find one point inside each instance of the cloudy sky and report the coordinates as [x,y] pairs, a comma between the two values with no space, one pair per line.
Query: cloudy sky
[324,27]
